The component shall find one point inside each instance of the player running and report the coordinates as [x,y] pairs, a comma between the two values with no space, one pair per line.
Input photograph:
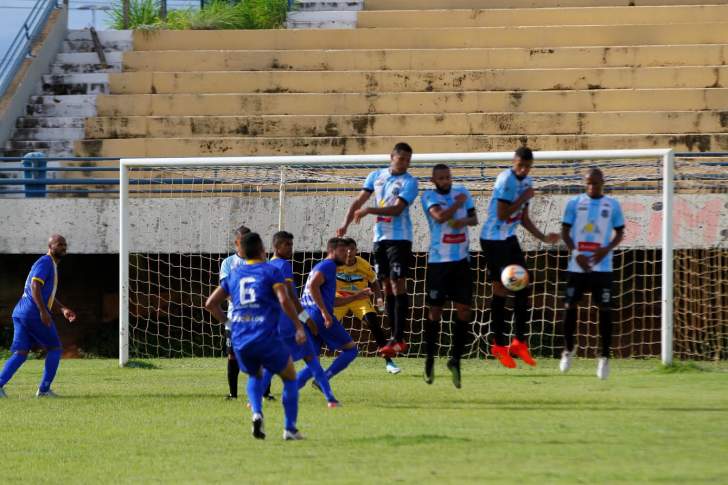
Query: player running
[449,211]
[394,191]
[319,299]
[508,208]
[33,320]
[352,277]
[590,220]
[257,291]
[282,254]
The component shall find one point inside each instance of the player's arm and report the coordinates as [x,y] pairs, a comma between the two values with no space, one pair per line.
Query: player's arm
[214,302]
[551,238]
[302,314]
[353,208]
[35,292]
[443,215]
[68,314]
[314,287]
[392,210]
[378,293]
[283,292]
[507,208]
[599,253]
[345,300]
[581,259]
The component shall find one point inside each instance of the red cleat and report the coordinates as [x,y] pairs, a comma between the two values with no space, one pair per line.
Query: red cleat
[333,404]
[386,351]
[520,349]
[501,353]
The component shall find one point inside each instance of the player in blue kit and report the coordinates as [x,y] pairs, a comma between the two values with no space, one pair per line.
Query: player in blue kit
[508,208]
[258,291]
[590,221]
[394,191]
[282,254]
[449,210]
[319,299]
[33,320]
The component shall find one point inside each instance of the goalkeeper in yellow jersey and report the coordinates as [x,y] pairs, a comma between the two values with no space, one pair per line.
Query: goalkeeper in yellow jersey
[356,275]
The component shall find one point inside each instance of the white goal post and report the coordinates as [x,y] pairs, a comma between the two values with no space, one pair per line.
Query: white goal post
[662,159]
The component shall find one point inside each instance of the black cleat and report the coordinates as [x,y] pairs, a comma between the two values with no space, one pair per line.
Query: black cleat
[454,367]
[230,397]
[429,370]
[269,397]
[258,432]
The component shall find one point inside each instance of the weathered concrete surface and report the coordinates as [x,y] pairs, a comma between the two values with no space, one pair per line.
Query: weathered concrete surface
[479,4]
[464,37]
[205,225]
[414,81]
[426,59]
[242,146]
[409,124]
[491,17]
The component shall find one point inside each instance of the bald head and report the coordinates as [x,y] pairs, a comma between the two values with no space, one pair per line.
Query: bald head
[594,179]
[57,246]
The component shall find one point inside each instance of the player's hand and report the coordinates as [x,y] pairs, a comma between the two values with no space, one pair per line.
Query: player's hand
[460,199]
[598,255]
[527,195]
[300,335]
[552,238]
[360,213]
[46,318]
[583,261]
[328,320]
[365,294]
[341,232]
[69,314]
[312,326]
[380,305]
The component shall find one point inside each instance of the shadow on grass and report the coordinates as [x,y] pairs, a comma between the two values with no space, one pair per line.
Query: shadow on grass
[411,440]
[681,368]
[141,364]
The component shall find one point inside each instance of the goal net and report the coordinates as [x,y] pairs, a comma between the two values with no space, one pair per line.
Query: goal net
[178,217]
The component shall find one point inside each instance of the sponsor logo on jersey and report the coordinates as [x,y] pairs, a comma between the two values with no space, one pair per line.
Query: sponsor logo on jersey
[384,219]
[588,246]
[453,238]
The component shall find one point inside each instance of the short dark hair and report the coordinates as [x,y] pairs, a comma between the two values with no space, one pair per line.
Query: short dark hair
[281,236]
[241,231]
[334,243]
[524,153]
[439,166]
[252,244]
[402,147]
[350,241]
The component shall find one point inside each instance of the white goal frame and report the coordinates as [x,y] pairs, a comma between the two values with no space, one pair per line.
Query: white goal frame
[666,155]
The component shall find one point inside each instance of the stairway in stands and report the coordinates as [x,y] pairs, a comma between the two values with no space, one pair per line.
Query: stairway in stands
[444,75]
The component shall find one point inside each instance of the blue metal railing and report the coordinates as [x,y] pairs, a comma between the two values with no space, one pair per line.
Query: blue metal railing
[38,180]
[21,45]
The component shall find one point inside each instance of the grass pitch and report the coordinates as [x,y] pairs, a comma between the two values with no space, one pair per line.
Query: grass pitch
[166,421]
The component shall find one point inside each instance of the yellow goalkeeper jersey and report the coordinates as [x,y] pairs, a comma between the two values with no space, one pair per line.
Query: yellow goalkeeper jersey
[350,279]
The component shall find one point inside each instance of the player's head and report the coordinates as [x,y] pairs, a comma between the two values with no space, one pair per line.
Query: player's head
[283,244]
[594,180]
[350,251]
[441,177]
[336,249]
[522,161]
[240,233]
[253,246]
[400,158]
[57,246]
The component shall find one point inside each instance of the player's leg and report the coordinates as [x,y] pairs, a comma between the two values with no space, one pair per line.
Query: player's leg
[47,337]
[22,342]
[496,259]
[336,337]
[521,310]
[232,368]
[574,292]
[459,284]
[399,256]
[249,362]
[364,311]
[305,374]
[321,379]
[435,291]
[602,291]
[289,400]
[381,265]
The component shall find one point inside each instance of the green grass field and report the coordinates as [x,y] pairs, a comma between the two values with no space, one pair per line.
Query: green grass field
[168,422]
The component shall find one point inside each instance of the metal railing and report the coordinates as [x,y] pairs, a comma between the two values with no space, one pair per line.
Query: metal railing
[22,44]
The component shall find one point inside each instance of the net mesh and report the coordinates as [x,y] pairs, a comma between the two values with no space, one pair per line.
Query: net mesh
[182,221]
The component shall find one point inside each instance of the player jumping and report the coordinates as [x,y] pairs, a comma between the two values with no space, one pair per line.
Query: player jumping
[507,209]
[590,220]
[450,211]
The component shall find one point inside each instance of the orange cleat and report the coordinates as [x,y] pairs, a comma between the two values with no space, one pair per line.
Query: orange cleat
[501,353]
[520,350]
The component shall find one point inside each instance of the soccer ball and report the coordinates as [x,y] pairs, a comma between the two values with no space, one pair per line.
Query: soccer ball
[514,277]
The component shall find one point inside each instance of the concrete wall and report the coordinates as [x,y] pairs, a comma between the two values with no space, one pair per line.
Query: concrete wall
[205,225]
[13,103]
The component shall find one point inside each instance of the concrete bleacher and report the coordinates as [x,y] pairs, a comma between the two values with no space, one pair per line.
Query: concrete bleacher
[445,75]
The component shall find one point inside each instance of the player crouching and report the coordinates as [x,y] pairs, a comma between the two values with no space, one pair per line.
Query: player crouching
[257,291]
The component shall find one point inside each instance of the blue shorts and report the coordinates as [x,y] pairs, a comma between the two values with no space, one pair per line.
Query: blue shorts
[298,352]
[334,337]
[270,353]
[33,333]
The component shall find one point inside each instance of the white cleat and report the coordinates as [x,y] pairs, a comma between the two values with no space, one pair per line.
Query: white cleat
[292,435]
[2,393]
[603,368]
[565,363]
[392,368]
[48,393]
[258,429]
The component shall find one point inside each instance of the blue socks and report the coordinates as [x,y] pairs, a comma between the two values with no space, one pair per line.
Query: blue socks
[321,379]
[267,378]
[290,403]
[255,394]
[303,376]
[11,367]
[341,362]
[53,358]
